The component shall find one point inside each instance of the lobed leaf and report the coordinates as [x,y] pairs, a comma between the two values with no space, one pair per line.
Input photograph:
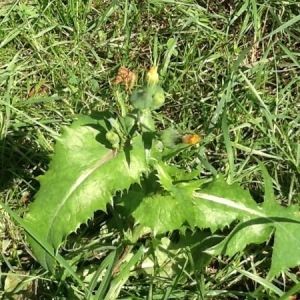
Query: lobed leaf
[83,177]
[256,224]
[217,205]
[161,213]
[219,214]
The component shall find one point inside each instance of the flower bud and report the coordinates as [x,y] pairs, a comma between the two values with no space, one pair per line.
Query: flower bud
[191,139]
[113,139]
[158,98]
[170,137]
[152,75]
[141,99]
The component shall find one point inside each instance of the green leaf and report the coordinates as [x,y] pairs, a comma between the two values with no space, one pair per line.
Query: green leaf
[269,198]
[217,205]
[286,240]
[161,213]
[164,178]
[171,45]
[94,86]
[46,245]
[146,120]
[83,177]
[256,224]
[252,231]
[125,271]
[220,214]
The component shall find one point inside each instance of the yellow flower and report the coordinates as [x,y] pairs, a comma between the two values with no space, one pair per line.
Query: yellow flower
[152,75]
[191,139]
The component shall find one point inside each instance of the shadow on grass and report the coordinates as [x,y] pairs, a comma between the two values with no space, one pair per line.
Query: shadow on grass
[21,161]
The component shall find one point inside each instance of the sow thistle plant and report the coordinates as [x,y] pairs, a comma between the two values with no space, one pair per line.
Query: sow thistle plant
[106,159]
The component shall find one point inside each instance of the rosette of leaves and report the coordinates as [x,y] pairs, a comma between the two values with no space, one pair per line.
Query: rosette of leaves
[91,164]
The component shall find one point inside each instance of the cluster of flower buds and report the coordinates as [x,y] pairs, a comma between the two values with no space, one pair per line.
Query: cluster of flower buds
[144,100]
[151,95]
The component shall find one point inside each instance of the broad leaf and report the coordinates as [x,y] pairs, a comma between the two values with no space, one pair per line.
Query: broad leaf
[161,213]
[217,205]
[220,215]
[257,224]
[83,177]
[286,242]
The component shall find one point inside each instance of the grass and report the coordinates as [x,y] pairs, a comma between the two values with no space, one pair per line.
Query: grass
[231,70]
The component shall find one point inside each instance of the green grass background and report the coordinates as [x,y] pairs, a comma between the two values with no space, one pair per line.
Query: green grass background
[230,69]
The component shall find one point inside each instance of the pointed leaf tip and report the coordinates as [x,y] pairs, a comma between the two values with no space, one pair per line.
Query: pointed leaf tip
[83,176]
